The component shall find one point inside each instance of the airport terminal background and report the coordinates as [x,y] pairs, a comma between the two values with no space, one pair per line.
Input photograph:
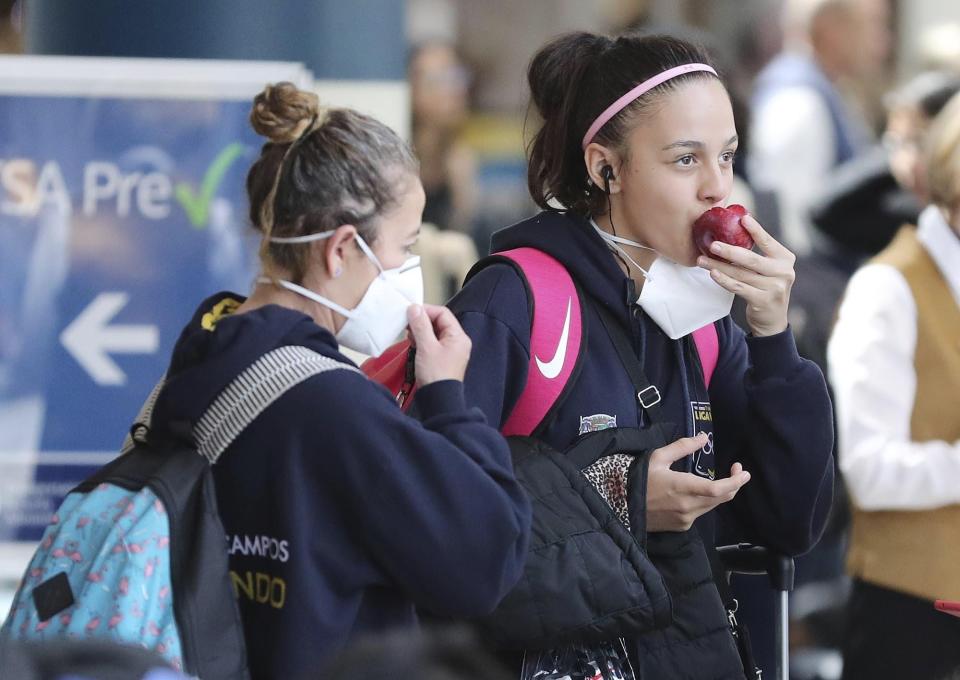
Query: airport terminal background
[123,147]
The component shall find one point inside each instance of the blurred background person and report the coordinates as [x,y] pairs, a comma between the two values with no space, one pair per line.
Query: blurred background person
[439,83]
[803,125]
[895,367]
[864,204]
[439,86]
[867,200]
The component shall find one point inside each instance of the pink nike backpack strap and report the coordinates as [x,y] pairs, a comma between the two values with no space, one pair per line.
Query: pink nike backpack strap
[555,336]
[708,347]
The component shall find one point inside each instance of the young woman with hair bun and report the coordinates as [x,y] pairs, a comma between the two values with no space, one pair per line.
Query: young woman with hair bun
[343,514]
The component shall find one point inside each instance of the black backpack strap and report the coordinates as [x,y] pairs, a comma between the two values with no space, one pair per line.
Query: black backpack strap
[646,392]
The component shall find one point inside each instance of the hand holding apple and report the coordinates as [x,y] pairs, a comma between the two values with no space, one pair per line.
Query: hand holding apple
[721,224]
[763,279]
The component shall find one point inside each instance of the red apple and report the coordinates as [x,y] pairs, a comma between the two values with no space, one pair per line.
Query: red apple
[721,224]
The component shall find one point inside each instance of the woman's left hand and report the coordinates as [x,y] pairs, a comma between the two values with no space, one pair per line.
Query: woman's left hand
[763,279]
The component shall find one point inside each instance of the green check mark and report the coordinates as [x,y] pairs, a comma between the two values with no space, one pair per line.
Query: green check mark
[197,206]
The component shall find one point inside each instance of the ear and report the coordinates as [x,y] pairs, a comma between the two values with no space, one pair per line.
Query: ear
[337,249]
[596,157]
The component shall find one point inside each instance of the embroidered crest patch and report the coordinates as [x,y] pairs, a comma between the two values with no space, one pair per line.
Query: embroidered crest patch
[597,422]
[704,460]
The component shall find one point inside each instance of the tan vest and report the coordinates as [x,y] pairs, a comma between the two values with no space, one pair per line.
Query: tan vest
[918,552]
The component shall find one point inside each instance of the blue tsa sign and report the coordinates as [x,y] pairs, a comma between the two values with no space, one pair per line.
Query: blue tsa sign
[121,206]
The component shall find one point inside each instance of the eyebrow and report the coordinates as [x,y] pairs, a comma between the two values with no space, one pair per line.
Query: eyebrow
[693,144]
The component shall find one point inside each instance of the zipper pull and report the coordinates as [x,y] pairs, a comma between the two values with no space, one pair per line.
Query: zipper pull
[732,618]
[409,377]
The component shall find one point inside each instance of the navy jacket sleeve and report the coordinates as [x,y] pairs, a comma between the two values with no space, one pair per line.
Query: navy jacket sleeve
[435,501]
[772,413]
[490,311]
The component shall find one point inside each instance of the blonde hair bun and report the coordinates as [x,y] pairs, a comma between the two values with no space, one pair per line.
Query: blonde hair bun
[282,112]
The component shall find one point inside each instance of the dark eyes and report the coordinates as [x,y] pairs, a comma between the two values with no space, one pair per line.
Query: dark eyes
[688,160]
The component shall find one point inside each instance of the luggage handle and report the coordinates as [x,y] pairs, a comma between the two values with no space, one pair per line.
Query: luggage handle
[746,558]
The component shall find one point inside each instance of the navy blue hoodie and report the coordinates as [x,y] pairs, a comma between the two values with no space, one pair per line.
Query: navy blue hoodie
[766,406]
[342,514]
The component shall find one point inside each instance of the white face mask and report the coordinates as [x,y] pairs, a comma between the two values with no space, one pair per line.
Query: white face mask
[679,299]
[374,324]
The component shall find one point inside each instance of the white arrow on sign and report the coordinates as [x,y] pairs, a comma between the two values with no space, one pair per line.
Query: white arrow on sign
[90,340]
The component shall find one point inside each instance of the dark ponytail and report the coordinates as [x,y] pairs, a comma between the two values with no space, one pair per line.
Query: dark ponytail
[572,80]
[555,75]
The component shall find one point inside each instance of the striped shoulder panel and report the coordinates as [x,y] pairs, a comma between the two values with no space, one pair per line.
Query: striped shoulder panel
[250,393]
[142,424]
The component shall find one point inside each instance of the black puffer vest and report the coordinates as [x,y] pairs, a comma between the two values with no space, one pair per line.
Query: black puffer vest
[594,573]
[587,576]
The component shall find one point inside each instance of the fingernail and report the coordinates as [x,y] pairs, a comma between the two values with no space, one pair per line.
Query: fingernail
[702,261]
[716,247]
[413,311]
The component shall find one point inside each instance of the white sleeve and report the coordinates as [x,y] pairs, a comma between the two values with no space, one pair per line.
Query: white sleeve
[792,148]
[871,365]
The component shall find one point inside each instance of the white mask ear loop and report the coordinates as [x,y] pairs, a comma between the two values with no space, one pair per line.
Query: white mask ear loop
[646,274]
[309,294]
[369,253]
[320,235]
[306,292]
[612,242]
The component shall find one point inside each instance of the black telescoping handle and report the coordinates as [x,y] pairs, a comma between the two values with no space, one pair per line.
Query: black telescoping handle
[745,558]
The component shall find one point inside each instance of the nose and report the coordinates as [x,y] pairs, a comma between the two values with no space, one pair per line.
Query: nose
[715,184]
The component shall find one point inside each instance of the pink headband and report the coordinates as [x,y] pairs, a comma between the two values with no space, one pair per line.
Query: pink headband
[647,85]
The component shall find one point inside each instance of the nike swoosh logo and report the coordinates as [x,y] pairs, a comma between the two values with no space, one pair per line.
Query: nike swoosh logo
[552,368]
